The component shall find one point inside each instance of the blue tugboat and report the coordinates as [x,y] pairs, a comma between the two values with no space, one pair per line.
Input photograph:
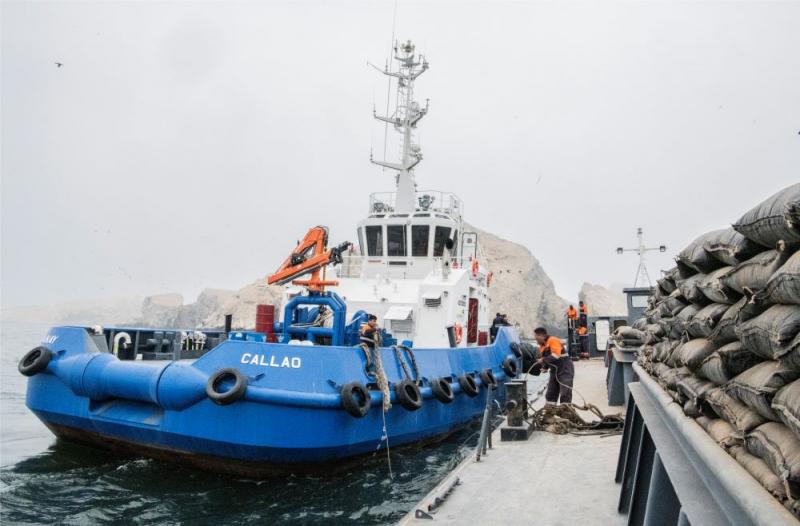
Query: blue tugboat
[308,390]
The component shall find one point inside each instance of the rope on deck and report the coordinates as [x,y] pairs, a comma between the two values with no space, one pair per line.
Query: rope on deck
[564,419]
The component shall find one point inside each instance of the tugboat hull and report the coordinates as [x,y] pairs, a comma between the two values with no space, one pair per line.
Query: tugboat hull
[289,414]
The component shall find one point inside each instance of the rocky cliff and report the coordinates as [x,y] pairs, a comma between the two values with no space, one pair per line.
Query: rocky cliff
[603,301]
[520,288]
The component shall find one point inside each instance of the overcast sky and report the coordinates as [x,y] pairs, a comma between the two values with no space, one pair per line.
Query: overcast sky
[188,145]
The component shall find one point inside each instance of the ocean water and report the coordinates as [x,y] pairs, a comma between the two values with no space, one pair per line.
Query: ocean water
[48,481]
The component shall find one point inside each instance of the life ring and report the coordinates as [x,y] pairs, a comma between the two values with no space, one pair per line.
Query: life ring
[475,267]
[35,361]
[442,390]
[408,394]
[459,330]
[468,385]
[231,394]
[510,366]
[489,279]
[356,399]
[488,379]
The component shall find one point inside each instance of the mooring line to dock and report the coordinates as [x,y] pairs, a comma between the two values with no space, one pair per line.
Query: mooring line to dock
[388,454]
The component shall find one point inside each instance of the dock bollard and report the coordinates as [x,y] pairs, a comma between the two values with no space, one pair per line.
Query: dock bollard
[515,427]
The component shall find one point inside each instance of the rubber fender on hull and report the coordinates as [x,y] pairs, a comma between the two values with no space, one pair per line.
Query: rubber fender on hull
[408,395]
[356,399]
[468,385]
[34,361]
[442,390]
[488,379]
[510,366]
[226,386]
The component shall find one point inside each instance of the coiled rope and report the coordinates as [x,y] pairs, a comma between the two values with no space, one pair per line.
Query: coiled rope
[399,357]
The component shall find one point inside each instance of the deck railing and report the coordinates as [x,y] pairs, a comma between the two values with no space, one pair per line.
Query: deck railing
[431,201]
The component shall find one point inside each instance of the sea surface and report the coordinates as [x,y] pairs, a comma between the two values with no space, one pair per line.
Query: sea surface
[49,481]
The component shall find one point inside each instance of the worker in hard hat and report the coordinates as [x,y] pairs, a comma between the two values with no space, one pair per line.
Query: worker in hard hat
[556,360]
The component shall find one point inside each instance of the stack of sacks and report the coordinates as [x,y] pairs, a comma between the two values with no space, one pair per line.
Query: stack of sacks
[729,316]
[629,338]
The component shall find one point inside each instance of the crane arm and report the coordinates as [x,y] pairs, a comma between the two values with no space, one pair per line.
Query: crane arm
[309,257]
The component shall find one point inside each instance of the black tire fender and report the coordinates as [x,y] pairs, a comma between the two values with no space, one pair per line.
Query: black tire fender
[468,385]
[516,349]
[230,395]
[35,361]
[408,395]
[442,390]
[356,400]
[510,367]
[488,379]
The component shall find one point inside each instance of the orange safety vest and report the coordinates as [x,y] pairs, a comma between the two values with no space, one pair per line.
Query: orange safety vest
[554,344]
[581,330]
[572,313]
[584,310]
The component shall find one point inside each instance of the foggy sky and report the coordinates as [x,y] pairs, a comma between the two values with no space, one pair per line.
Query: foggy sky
[189,145]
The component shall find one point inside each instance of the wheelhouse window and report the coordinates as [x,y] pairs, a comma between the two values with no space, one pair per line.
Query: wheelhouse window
[361,246]
[420,234]
[439,238]
[374,240]
[396,240]
[455,243]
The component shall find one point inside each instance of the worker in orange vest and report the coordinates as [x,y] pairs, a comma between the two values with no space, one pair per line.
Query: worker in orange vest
[584,315]
[572,314]
[583,340]
[556,360]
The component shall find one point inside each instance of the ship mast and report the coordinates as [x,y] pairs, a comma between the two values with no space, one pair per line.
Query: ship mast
[404,119]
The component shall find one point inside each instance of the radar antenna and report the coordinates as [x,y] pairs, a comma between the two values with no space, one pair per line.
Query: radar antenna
[641,250]
[405,118]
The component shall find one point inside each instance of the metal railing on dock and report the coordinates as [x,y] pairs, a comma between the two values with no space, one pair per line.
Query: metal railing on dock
[485,439]
[672,472]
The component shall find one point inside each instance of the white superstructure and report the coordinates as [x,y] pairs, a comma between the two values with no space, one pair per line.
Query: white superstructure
[413,265]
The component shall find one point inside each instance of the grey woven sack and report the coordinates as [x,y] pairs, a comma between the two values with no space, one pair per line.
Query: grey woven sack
[732,410]
[776,445]
[693,352]
[715,289]
[730,247]
[703,323]
[759,470]
[695,258]
[774,334]
[784,285]
[727,362]
[787,405]
[757,386]
[754,274]
[773,219]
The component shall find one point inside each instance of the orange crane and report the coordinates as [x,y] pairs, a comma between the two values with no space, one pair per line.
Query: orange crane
[310,256]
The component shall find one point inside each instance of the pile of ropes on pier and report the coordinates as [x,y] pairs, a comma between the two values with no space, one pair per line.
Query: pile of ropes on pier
[564,419]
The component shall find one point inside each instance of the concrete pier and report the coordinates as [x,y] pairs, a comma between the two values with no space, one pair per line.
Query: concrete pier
[549,479]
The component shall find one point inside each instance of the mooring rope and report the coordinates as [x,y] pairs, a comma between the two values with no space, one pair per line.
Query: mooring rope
[379,373]
[399,357]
